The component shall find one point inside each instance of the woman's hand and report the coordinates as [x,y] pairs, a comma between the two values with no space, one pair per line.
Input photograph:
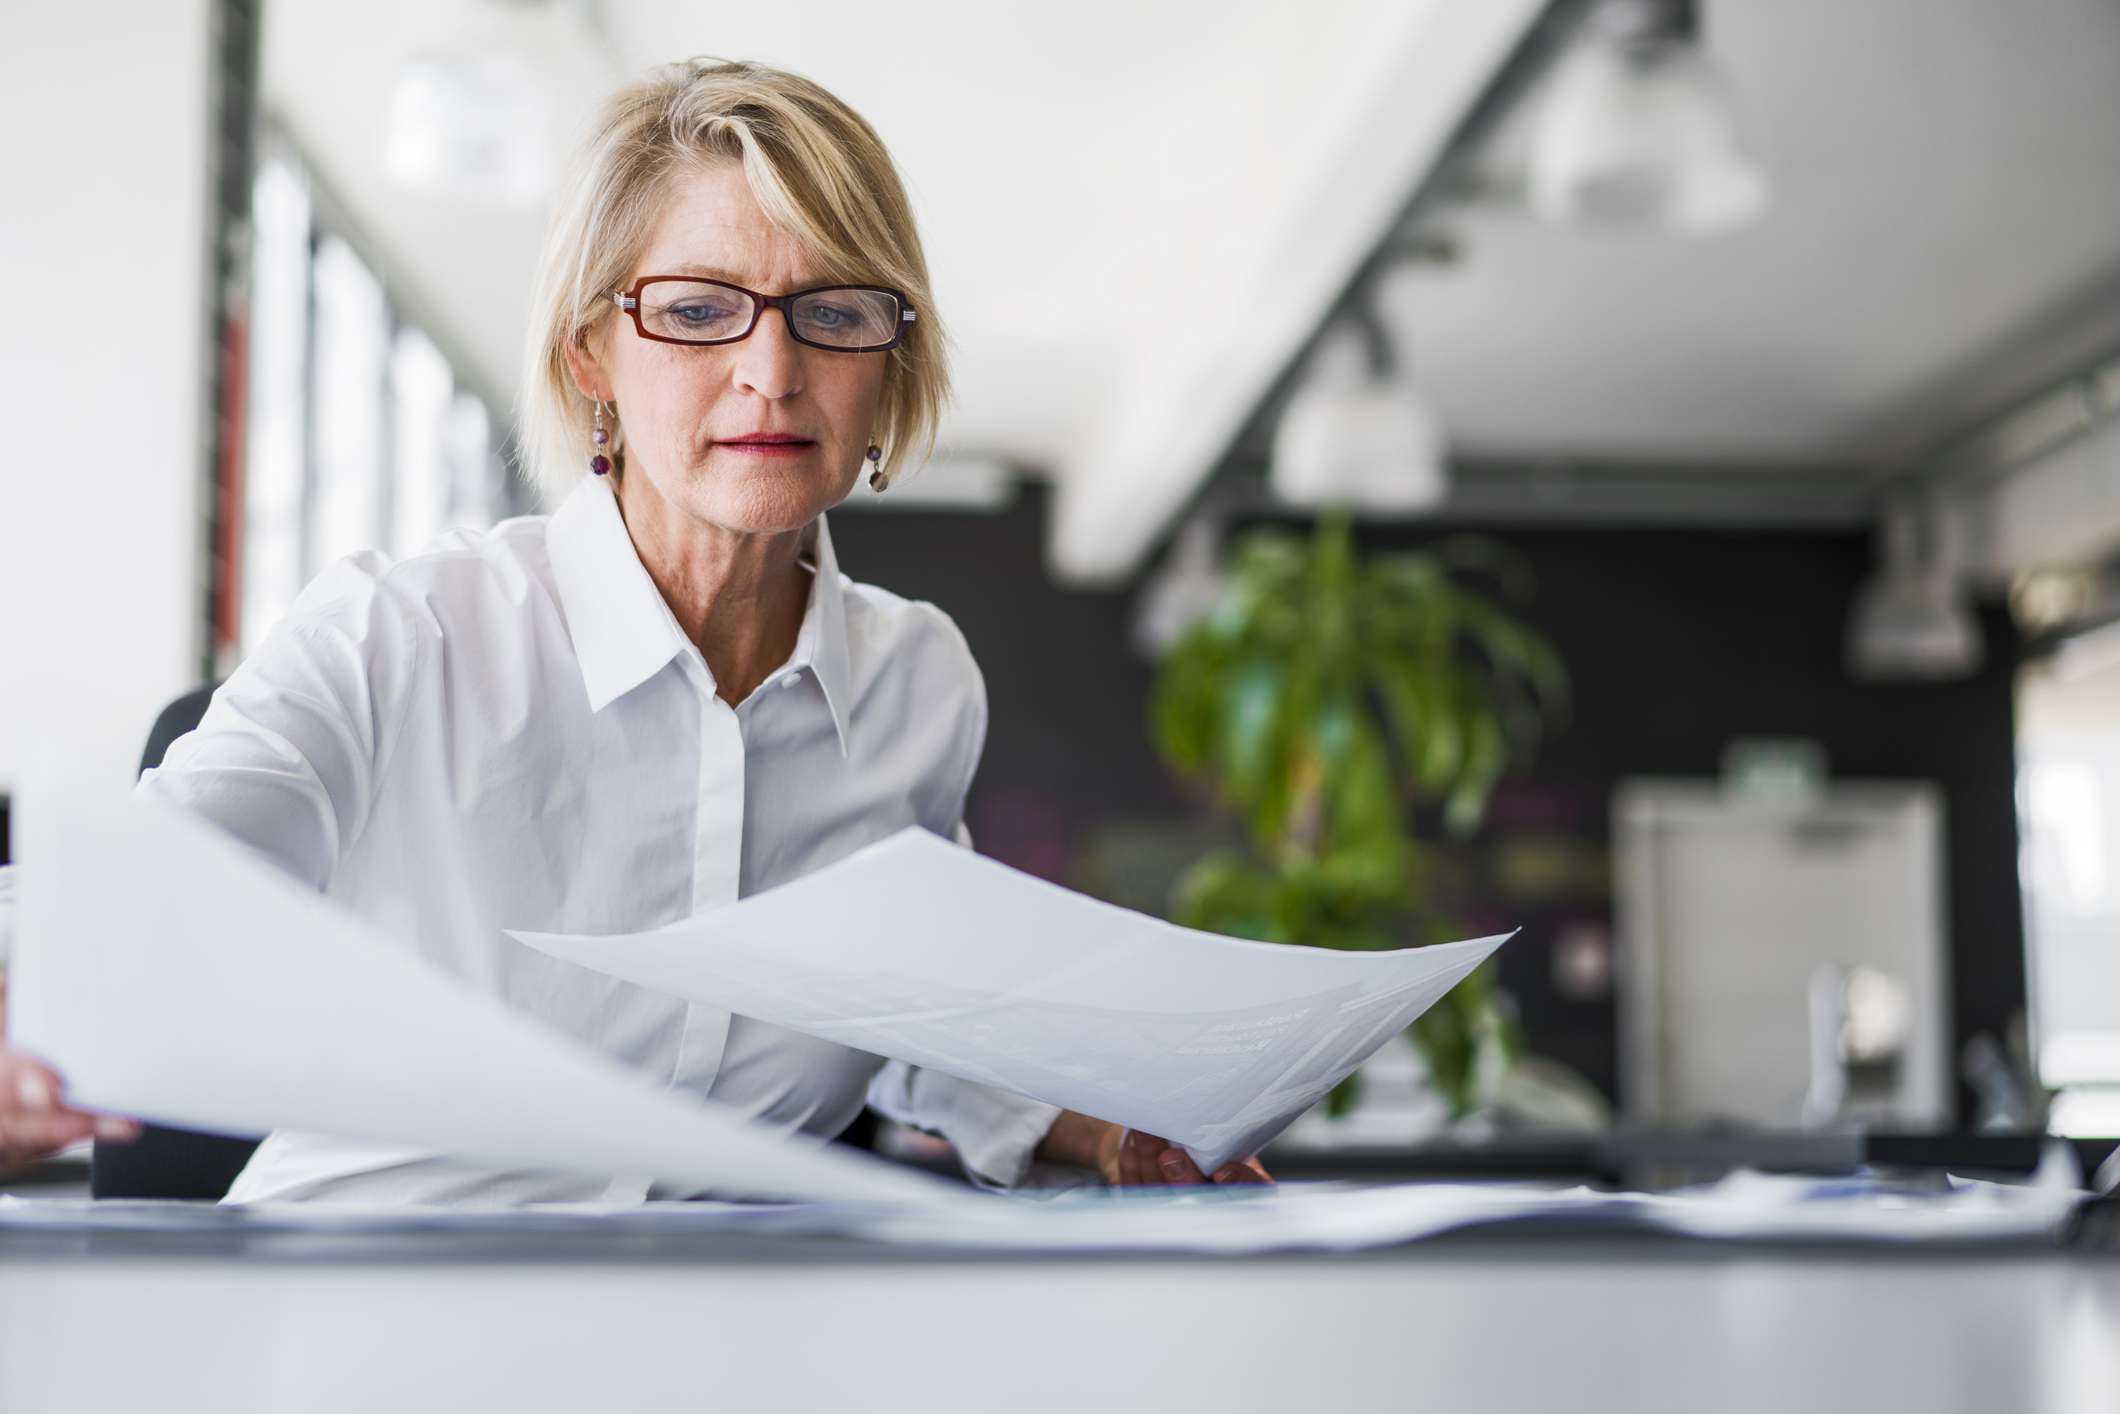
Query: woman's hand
[34,1118]
[1129,1158]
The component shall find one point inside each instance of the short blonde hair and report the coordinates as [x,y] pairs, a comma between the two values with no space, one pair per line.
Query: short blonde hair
[817,170]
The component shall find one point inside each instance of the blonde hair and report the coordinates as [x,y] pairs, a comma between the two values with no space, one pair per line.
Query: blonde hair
[816,169]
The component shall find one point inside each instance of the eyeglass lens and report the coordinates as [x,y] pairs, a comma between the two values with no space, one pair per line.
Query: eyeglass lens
[699,312]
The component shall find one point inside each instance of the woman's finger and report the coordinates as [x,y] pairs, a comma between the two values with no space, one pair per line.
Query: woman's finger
[1178,1167]
[32,1094]
[1134,1165]
[1243,1171]
[27,1086]
[27,1137]
[1156,1168]
[41,1134]
[1122,1162]
[1135,1160]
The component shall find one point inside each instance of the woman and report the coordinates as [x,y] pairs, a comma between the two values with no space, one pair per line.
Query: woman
[664,696]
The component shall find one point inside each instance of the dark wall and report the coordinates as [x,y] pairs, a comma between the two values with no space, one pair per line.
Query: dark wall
[1067,745]
[1675,640]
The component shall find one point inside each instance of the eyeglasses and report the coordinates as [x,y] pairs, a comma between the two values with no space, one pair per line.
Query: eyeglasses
[683,309]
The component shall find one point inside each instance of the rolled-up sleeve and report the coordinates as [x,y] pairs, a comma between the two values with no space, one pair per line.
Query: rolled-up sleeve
[288,755]
[996,1134]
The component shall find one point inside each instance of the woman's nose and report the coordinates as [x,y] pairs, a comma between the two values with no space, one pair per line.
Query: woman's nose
[769,362]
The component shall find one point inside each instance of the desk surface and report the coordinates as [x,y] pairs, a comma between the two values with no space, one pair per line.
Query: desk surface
[122,1321]
[621,1317]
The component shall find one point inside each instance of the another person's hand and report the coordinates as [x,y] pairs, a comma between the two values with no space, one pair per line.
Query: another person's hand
[34,1117]
[1130,1158]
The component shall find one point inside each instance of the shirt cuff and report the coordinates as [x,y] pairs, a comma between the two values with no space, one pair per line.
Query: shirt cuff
[995,1133]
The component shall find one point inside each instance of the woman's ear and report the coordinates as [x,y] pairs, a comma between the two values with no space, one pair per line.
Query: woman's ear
[587,370]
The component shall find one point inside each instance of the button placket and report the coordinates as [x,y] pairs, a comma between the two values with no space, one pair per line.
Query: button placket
[717,864]
[717,868]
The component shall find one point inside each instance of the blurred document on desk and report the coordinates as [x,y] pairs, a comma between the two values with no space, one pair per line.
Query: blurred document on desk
[921,951]
[1225,1219]
[170,974]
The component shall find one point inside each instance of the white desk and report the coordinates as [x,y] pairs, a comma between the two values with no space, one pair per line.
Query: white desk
[1455,1325]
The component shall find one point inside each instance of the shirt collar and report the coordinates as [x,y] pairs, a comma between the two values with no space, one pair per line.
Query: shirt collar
[624,633]
[823,640]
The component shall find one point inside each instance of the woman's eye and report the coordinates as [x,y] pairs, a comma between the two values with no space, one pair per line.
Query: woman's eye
[698,313]
[827,315]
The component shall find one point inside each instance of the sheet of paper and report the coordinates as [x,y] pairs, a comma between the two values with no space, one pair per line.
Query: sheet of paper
[918,950]
[1759,1207]
[172,975]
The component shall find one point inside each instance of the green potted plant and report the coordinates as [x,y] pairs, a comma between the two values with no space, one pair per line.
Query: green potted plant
[1324,699]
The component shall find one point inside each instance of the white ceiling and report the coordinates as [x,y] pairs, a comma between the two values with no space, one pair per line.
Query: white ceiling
[1945,235]
[1134,212]
[1094,181]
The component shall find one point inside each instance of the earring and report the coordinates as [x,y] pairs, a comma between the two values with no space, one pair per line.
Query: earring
[877,479]
[598,462]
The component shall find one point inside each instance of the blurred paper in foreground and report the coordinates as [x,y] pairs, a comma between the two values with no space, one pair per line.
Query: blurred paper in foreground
[170,974]
[921,951]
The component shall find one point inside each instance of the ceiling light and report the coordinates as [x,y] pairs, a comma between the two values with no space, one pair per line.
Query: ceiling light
[1364,438]
[469,120]
[1639,130]
[1911,620]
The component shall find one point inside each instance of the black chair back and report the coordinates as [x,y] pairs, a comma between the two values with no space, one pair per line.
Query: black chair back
[163,1162]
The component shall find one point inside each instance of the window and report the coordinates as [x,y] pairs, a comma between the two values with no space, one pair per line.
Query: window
[2068,763]
[361,431]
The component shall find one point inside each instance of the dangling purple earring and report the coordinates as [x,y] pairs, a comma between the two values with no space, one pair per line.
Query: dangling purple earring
[877,480]
[598,462]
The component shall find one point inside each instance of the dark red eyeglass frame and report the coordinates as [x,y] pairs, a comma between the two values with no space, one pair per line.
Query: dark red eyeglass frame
[629,301]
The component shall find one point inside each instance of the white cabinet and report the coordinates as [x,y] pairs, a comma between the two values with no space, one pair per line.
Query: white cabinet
[1734,913]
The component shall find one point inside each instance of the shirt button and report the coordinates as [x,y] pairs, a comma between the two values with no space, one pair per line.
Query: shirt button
[792,678]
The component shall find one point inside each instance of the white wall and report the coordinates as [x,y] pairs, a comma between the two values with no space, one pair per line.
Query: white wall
[104,246]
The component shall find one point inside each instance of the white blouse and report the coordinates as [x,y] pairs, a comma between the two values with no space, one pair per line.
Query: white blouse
[511,730]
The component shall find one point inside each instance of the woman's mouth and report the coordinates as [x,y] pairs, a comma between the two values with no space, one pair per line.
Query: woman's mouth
[769,446]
